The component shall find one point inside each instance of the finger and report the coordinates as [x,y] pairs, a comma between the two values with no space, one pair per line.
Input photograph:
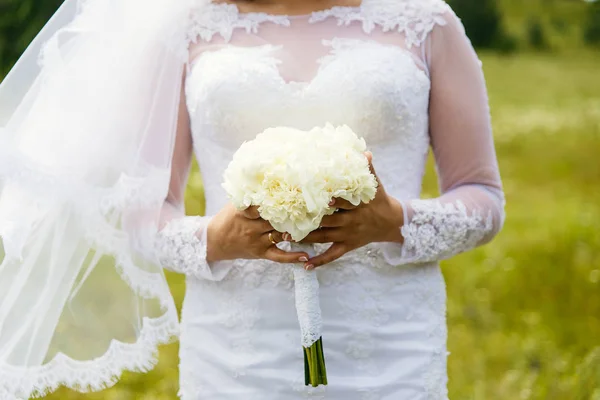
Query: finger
[335,220]
[326,235]
[333,253]
[343,204]
[369,156]
[276,254]
[251,212]
[275,237]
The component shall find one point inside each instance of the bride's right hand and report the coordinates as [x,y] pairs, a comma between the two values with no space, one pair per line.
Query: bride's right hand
[233,234]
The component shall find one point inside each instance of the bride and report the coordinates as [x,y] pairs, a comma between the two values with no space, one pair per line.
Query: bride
[99,120]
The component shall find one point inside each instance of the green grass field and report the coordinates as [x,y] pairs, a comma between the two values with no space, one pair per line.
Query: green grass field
[524,311]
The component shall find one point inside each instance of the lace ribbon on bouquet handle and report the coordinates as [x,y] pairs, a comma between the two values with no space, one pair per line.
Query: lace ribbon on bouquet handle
[308,304]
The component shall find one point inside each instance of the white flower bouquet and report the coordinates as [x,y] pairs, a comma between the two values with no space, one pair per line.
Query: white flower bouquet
[292,176]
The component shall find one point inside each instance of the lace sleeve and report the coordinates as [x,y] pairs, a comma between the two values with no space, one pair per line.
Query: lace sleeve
[181,241]
[471,209]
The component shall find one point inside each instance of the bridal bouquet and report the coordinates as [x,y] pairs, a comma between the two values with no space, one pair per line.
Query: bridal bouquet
[292,176]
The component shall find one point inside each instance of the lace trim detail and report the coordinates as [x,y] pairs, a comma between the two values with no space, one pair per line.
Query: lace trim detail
[224,18]
[438,231]
[414,19]
[179,247]
[95,375]
[308,306]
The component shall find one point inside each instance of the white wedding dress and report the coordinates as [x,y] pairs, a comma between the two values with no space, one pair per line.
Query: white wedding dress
[402,74]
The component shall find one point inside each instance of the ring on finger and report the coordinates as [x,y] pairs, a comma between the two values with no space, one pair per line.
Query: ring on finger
[272,238]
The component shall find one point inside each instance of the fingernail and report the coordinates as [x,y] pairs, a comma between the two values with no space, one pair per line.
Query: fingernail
[332,202]
[309,267]
[286,237]
[303,259]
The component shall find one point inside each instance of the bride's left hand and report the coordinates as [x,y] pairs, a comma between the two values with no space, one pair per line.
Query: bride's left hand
[355,226]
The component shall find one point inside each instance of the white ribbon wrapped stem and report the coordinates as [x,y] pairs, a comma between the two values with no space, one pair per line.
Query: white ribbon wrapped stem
[308,304]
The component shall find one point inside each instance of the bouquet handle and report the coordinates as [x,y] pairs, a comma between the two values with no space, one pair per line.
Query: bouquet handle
[311,322]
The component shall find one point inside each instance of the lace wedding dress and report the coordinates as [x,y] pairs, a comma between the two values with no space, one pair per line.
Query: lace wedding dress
[402,74]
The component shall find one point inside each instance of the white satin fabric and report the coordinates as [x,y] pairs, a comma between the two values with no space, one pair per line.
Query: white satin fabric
[403,75]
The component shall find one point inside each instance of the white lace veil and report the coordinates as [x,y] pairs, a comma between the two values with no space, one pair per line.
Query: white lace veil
[87,127]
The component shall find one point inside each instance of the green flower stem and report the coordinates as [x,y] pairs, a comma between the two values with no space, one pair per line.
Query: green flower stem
[314,377]
[306,367]
[315,373]
[322,369]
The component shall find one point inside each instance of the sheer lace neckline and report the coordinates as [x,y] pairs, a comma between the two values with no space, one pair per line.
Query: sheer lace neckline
[310,16]
[413,18]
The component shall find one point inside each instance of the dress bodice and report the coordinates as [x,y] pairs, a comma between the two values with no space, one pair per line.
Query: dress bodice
[359,66]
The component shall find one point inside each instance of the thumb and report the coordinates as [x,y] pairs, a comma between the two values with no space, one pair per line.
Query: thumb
[369,156]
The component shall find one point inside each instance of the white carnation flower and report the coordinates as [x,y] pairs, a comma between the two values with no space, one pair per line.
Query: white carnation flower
[292,175]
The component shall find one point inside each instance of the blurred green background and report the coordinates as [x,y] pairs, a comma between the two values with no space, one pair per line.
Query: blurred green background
[523,311]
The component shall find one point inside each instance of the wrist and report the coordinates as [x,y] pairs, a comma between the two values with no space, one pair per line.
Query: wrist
[396,219]
[214,252]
